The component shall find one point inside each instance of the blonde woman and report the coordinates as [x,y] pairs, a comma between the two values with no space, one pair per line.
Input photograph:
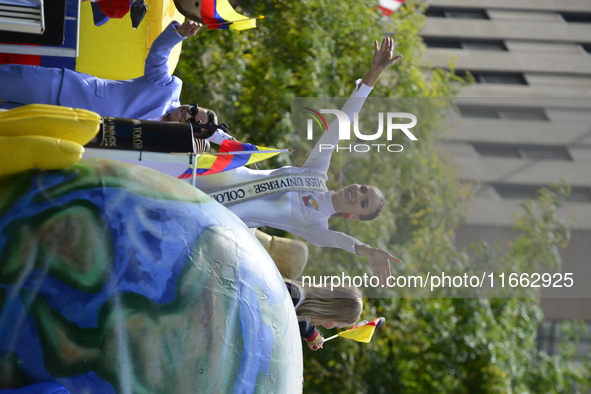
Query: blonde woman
[321,306]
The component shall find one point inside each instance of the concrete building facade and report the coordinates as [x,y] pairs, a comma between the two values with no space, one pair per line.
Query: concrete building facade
[525,122]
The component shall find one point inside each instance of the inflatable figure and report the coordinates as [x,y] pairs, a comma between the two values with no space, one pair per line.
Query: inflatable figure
[115,278]
[44,136]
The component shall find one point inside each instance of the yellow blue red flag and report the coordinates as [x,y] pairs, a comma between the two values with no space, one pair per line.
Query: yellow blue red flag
[219,14]
[232,154]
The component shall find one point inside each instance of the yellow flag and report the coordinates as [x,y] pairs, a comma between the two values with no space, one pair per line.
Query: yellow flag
[364,332]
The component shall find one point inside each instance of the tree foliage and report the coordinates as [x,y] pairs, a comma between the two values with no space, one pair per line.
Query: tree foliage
[460,345]
[301,49]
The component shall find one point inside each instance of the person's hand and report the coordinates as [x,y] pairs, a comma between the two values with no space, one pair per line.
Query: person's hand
[316,346]
[188,28]
[382,56]
[382,59]
[379,261]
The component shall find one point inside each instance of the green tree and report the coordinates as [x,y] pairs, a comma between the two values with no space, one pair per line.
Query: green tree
[306,48]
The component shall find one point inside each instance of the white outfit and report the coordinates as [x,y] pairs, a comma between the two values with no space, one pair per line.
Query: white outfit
[304,214]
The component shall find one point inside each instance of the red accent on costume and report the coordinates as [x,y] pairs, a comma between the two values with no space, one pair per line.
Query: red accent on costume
[114,8]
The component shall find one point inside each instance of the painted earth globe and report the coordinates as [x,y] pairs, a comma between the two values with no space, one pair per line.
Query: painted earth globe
[115,278]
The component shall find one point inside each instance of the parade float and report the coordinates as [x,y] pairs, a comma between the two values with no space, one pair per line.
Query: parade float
[115,278]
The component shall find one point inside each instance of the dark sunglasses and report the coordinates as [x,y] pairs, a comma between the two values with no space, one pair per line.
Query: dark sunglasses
[194,109]
[206,129]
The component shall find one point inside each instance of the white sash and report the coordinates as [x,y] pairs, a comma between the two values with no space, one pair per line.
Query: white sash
[261,187]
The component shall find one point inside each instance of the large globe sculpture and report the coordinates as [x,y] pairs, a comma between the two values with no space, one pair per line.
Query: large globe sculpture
[115,278]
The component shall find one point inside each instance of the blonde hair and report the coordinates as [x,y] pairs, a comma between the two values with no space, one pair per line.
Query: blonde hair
[341,304]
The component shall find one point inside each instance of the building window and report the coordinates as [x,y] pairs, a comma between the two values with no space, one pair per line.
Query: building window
[549,338]
[513,113]
[586,47]
[495,77]
[531,152]
[514,191]
[456,43]
[523,114]
[576,17]
[487,45]
[490,150]
[446,43]
[479,112]
[457,13]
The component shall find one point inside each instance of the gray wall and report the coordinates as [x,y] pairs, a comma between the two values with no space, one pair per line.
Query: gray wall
[545,49]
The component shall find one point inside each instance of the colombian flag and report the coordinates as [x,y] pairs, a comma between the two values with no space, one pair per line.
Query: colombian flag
[212,164]
[218,14]
[364,332]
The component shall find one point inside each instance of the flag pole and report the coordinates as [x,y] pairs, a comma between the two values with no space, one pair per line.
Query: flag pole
[242,152]
[329,338]
[248,152]
[229,22]
[194,171]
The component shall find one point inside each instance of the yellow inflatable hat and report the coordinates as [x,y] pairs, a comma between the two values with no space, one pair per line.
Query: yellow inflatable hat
[42,136]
